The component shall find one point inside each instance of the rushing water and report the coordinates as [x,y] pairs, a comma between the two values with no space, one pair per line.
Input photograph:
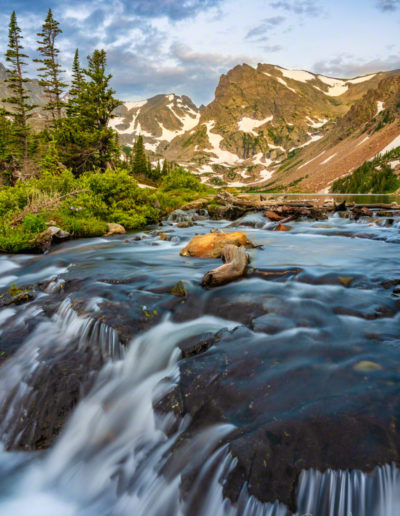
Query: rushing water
[321,300]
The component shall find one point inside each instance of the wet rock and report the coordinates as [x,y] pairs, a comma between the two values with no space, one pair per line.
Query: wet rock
[180,216]
[340,207]
[211,245]
[115,229]
[272,215]
[222,212]
[286,415]
[282,227]
[198,204]
[360,211]
[186,224]
[179,289]
[385,213]
[345,280]
[164,236]
[44,240]
[366,366]
[196,345]
[251,220]
[17,296]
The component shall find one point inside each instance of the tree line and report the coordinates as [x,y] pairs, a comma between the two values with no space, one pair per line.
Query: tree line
[75,128]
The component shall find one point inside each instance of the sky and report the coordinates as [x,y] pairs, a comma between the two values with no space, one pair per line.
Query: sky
[183,46]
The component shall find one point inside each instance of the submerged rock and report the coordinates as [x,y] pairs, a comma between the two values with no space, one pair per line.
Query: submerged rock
[212,245]
[282,227]
[272,215]
[179,289]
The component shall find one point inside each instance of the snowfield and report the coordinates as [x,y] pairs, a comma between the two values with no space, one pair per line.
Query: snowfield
[247,125]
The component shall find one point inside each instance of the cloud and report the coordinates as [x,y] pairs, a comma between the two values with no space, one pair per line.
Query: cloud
[388,5]
[307,7]
[173,9]
[267,25]
[348,66]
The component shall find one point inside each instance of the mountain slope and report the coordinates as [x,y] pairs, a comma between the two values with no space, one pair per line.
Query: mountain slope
[370,127]
[159,120]
[261,116]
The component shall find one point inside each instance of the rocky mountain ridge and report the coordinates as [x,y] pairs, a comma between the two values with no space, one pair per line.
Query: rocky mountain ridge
[258,121]
[267,127]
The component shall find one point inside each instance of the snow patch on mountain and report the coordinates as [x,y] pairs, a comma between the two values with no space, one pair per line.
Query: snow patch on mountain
[328,159]
[135,105]
[247,125]
[337,87]
[281,81]
[316,125]
[363,141]
[296,75]
[311,160]
[215,140]
[380,106]
[392,145]
[359,80]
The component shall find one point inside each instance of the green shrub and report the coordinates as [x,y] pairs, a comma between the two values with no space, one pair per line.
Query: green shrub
[14,239]
[33,223]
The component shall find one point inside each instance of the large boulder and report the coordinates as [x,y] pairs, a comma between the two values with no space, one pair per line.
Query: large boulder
[212,245]
[44,239]
[115,229]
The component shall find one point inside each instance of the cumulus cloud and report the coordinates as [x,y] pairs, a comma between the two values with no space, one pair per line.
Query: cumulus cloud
[348,66]
[388,5]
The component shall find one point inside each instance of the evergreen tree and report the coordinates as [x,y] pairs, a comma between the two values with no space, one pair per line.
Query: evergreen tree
[165,168]
[158,169]
[21,109]
[87,140]
[140,166]
[76,86]
[50,70]
[7,148]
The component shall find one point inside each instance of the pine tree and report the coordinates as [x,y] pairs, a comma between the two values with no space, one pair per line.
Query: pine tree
[76,86]
[140,166]
[50,69]
[165,168]
[88,142]
[21,109]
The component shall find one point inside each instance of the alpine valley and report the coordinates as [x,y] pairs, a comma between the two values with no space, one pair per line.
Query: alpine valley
[284,130]
[268,127]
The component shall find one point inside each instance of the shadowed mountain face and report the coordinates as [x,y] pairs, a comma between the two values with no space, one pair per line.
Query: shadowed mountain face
[267,126]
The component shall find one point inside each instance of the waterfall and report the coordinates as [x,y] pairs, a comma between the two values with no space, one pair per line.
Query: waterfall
[115,456]
[21,381]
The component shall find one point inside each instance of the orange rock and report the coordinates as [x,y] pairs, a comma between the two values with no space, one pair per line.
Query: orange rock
[273,216]
[211,245]
[282,227]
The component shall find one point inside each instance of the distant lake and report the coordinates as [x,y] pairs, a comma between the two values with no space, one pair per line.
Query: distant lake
[356,198]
